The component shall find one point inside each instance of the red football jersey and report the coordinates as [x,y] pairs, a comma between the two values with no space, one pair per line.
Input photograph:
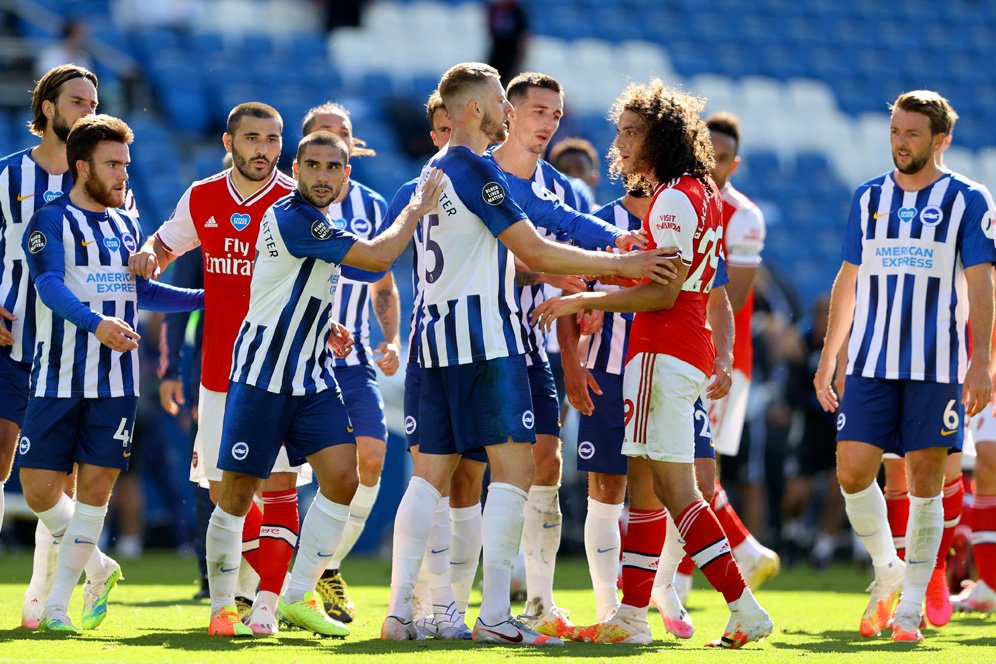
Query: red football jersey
[213,214]
[743,240]
[684,214]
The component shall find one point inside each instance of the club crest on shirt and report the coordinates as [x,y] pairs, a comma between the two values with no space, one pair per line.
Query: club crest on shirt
[321,229]
[50,196]
[240,221]
[493,193]
[931,215]
[37,242]
[112,243]
[360,226]
[129,242]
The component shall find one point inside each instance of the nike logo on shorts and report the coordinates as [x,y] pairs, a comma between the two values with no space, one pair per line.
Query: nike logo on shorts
[948,432]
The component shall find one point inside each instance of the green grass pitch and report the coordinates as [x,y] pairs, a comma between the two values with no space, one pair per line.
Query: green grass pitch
[152,619]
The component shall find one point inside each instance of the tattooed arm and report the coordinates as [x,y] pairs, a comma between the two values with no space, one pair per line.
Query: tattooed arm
[387,309]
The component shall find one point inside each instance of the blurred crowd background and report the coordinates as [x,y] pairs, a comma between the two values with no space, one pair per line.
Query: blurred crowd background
[809,79]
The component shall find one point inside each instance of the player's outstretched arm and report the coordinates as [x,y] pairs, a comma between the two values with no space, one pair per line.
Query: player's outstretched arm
[720,315]
[545,256]
[379,254]
[155,296]
[838,327]
[978,387]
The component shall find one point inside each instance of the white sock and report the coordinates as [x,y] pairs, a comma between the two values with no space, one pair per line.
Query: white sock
[359,509]
[671,556]
[601,546]
[44,560]
[503,519]
[870,523]
[411,532]
[422,595]
[268,599]
[747,551]
[923,538]
[223,551]
[465,554]
[97,565]
[321,533]
[78,544]
[541,540]
[437,557]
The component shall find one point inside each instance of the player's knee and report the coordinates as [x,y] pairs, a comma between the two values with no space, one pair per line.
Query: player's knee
[607,489]
[853,479]
[706,488]
[548,470]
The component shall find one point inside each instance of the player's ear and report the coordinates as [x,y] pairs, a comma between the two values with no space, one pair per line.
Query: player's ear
[736,165]
[226,140]
[294,167]
[346,171]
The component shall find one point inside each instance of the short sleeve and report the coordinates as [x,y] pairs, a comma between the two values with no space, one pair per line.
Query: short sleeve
[745,237]
[311,236]
[483,188]
[673,221]
[178,233]
[850,251]
[43,242]
[976,230]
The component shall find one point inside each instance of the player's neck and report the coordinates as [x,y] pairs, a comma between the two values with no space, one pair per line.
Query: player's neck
[79,198]
[50,154]
[247,187]
[470,137]
[515,160]
[923,178]
[638,207]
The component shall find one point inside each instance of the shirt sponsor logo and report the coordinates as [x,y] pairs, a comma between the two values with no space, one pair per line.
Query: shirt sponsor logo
[586,450]
[361,226]
[668,222]
[904,256]
[907,214]
[112,282]
[493,193]
[931,215]
[50,196]
[321,229]
[240,451]
[240,221]
[37,242]
[112,243]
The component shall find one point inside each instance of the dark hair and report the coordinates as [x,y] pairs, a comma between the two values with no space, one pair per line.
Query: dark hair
[359,147]
[518,87]
[433,104]
[323,137]
[677,139]
[48,88]
[576,146]
[459,80]
[89,132]
[726,124]
[927,102]
[251,109]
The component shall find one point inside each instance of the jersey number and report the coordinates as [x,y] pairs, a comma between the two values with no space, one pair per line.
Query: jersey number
[122,433]
[707,247]
[437,264]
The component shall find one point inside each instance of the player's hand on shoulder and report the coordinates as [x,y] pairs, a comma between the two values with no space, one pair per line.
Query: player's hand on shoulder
[389,358]
[632,240]
[171,395]
[426,195]
[144,263]
[660,265]
[340,340]
[117,335]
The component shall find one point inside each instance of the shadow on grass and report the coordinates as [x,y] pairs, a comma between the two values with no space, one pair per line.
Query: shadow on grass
[848,641]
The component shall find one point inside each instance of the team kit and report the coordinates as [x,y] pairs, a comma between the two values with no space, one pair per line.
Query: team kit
[647,300]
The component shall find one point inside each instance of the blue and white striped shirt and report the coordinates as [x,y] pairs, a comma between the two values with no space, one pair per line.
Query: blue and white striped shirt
[282,343]
[89,250]
[469,308]
[361,213]
[912,248]
[24,188]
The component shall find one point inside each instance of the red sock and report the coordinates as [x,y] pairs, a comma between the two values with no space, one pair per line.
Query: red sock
[734,528]
[642,546]
[897,506]
[954,502]
[706,544]
[277,537]
[687,566]
[968,486]
[984,537]
[250,537]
